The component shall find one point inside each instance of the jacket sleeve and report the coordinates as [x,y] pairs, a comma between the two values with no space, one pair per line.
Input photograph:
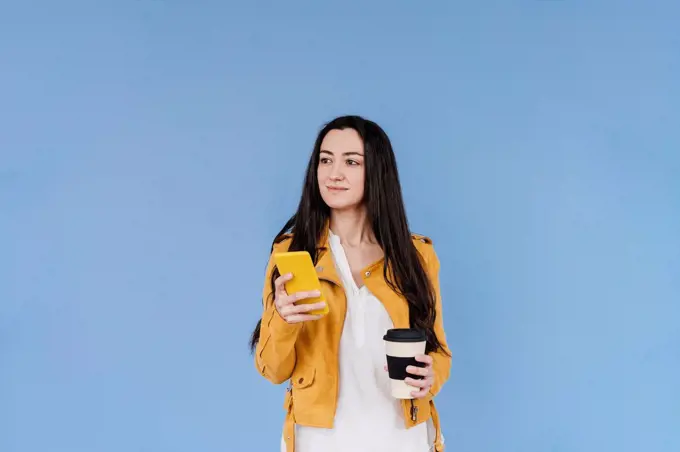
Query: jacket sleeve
[275,351]
[441,361]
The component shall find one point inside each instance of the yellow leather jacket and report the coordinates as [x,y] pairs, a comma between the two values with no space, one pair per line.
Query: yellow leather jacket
[307,353]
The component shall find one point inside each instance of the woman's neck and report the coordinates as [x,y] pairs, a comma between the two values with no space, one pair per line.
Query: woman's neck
[352,226]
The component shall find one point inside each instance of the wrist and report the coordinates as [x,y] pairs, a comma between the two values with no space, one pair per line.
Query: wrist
[279,327]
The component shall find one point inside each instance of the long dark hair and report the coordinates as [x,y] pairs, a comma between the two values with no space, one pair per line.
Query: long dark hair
[403,269]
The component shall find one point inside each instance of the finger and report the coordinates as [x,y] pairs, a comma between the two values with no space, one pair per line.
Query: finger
[297,318]
[420,394]
[292,298]
[302,295]
[424,383]
[422,371]
[285,299]
[304,308]
[385,367]
[427,359]
[279,283]
[420,391]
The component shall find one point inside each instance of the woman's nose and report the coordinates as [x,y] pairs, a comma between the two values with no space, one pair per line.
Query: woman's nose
[336,174]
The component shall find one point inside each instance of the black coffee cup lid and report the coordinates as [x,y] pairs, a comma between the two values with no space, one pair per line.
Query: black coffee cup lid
[405,335]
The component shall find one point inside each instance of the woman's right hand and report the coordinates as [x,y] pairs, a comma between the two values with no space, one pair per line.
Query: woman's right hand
[285,304]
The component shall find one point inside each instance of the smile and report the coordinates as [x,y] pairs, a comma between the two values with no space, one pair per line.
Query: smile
[336,188]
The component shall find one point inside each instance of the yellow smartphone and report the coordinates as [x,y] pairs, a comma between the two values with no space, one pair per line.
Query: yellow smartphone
[300,264]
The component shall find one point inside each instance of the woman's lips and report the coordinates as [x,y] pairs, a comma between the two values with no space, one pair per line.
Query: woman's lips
[336,188]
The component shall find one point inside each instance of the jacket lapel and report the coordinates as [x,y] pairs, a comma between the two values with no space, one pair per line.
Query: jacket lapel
[325,266]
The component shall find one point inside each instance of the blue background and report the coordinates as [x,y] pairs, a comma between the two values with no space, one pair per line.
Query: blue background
[151,149]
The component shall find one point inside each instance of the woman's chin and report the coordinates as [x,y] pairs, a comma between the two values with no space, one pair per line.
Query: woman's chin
[336,204]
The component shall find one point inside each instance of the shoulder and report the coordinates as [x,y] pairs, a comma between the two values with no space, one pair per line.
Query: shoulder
[421,238]
[423,244]
[282,243]
[425,247]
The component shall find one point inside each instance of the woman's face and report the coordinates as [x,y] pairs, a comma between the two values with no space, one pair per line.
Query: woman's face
[341,172]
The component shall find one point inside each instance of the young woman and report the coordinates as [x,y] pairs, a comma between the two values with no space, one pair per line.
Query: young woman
[375,275]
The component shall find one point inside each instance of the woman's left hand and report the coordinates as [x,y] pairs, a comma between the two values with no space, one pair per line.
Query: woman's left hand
[426,372]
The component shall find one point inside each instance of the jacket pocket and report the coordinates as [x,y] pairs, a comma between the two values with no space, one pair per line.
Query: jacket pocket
[303,378]
[304,393]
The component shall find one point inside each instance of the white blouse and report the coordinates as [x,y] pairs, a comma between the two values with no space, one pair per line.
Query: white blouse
[368,418]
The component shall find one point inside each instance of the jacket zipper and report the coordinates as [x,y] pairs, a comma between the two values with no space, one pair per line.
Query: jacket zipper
[414,411]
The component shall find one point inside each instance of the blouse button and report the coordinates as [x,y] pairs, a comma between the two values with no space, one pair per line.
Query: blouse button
[367,274]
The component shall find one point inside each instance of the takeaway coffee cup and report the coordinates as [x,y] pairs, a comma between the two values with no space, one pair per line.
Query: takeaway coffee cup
[401,347]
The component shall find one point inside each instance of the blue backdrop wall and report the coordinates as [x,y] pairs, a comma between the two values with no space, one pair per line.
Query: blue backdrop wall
[151,149]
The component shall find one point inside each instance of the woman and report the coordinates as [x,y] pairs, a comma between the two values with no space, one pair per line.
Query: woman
[375,275]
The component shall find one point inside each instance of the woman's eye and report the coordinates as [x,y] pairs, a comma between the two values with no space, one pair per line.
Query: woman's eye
[325,160]
[352,162]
